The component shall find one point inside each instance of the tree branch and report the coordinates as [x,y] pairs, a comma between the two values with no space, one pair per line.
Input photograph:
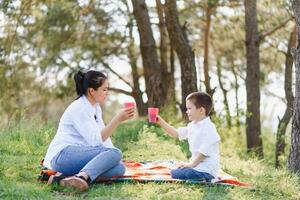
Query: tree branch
[120,91]
[106,65]
[268,92]
[264,35]
[276,47]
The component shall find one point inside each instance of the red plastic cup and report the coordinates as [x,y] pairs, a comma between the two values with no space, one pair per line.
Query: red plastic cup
[152,114]
[129,104]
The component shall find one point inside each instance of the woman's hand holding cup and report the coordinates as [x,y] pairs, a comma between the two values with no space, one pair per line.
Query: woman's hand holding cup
[127,112]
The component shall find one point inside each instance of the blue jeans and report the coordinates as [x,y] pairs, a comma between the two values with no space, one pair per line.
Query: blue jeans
[96,161]
[190,173]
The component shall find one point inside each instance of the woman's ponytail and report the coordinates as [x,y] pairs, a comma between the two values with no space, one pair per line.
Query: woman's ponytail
[91,79]
[79,82]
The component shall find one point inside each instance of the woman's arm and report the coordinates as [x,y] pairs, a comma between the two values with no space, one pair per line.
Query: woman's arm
[124,114]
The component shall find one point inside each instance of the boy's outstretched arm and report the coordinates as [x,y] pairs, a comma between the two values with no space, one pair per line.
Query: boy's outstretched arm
[167,127]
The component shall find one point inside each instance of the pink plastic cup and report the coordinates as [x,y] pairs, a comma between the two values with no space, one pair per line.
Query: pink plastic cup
[152,114]
[129,104]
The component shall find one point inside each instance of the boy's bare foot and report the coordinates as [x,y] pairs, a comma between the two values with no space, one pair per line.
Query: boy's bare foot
[75,182]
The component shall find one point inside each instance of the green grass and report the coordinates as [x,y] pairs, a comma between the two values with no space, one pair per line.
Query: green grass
[23,145]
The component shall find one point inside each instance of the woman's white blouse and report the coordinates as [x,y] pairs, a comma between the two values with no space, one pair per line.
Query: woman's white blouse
[80,125]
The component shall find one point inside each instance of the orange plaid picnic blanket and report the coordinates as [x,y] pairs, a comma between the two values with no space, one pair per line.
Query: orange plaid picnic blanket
[154,171]
[159,171]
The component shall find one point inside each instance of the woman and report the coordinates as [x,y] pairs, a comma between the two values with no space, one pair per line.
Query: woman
[82,148]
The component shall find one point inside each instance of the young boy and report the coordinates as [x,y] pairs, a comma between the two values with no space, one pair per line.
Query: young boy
[202,137]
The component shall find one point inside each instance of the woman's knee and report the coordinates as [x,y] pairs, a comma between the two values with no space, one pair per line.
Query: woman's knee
[120,169]
[116,154]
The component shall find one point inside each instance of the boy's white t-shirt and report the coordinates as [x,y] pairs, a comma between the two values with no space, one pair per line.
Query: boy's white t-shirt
[203,138]
[80,125]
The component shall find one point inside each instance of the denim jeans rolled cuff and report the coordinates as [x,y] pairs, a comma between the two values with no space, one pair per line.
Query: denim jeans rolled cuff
[118,170]
[190,173]
[94,160]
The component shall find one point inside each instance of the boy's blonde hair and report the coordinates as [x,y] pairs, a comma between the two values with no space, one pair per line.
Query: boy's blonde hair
[201,99]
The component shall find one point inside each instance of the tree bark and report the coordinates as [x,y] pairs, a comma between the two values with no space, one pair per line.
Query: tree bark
[253,130]
[137,94]
[183,50]
[152,67]
[236,89]
[208,13]
[172,97]
[283,122]
[167,72]
[294,155]
[225,101]
[163,38]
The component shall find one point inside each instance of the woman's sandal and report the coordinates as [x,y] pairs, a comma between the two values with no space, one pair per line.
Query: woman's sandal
[77,182]
[56,178]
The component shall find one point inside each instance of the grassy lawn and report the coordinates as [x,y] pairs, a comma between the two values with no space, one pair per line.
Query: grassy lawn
[23,145]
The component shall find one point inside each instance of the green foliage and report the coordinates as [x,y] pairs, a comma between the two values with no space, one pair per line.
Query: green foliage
[60,16]
[41,41]
[59,37]
[66,90]
[5,5]
[212,3]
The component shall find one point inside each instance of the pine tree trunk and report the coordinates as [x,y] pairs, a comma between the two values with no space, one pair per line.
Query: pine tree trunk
[294,156]
[254,141]
[152,67]
[184,51]
[136,91]
[225,101]
[283,122]
[236,89]
[167,72]
[172,97]
[208,13]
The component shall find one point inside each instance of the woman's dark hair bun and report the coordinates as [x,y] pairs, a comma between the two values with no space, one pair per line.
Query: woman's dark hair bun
[90,79]
[79,80]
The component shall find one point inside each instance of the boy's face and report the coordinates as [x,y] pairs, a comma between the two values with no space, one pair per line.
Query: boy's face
[194,114]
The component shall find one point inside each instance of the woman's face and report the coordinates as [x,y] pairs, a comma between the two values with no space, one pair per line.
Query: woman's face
[101,93]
